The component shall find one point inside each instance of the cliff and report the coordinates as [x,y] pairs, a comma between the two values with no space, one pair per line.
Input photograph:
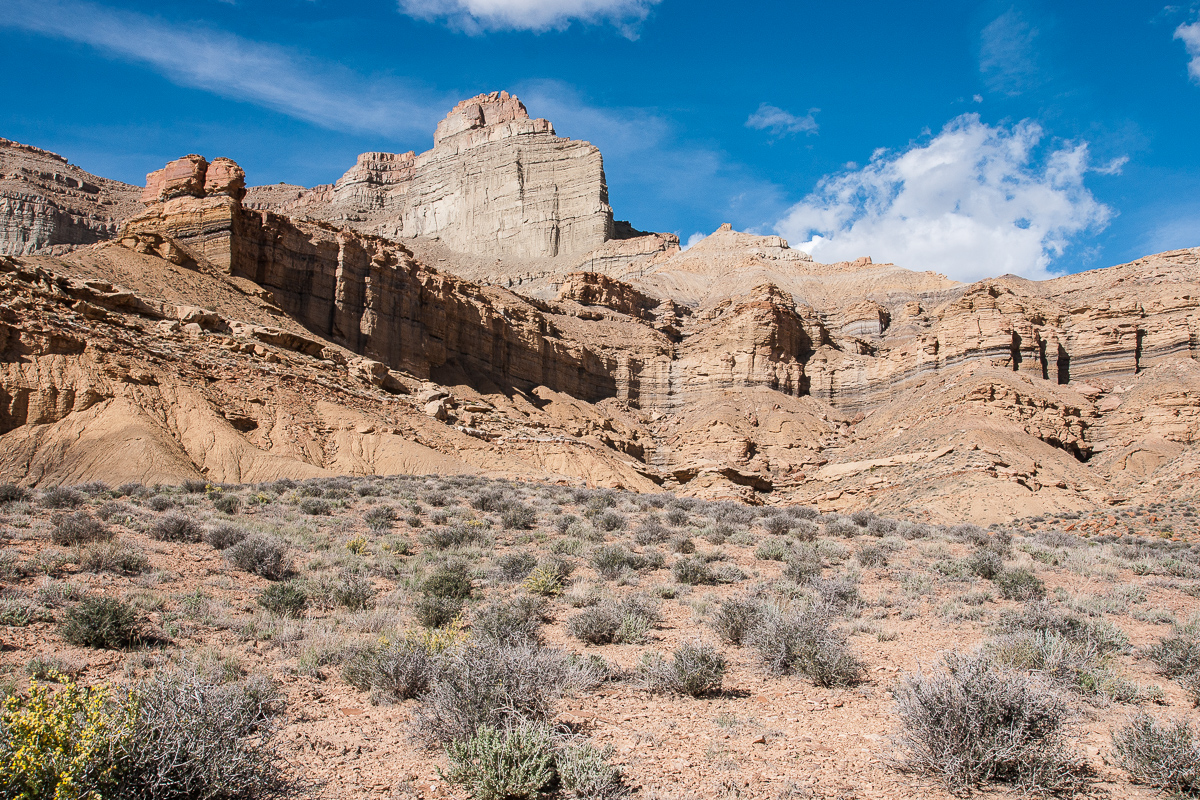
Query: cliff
[495,183]
[48,205]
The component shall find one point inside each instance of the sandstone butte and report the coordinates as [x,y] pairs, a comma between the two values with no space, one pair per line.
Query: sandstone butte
[476,309]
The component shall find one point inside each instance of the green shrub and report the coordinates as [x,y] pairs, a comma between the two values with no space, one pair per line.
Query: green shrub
[352,591]
[17,612]
[545,580]
[287,599]
[457,535]
[585,774]
[450,580]
[805,643]
[160,502]
[987,564]
[503,764]
[176,527]
[72,530]
[102,623]
[871,555]
[609,521]
[970,722]
[772,549]
[1020,584]
[432,611]
[804,563]
[695,669]
[650,531]
[262,555]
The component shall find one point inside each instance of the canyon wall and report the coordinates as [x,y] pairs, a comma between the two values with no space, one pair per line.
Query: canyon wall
[495,183]
[48,205]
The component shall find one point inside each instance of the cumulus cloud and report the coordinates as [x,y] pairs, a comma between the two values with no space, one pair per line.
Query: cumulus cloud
[1190,35]
[235,67]
[780,122]
[1007,56]
[478,16]
[973,201]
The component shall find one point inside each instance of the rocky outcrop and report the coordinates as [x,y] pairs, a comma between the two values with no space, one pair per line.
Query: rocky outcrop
[495,182]
[48,205]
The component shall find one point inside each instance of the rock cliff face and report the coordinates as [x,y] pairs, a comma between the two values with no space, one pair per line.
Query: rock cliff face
[495,182]
[48,205]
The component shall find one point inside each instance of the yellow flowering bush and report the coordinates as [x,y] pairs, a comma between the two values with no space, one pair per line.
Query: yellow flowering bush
[62,743]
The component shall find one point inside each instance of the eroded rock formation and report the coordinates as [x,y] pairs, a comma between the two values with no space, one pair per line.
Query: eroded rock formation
[48,205]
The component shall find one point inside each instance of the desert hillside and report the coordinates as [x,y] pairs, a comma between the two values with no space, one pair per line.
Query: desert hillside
[441,482]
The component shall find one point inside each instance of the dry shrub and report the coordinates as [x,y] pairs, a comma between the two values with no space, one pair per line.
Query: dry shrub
[1162,755]
[262,555]
[805,642]
[970,722]
[696,669]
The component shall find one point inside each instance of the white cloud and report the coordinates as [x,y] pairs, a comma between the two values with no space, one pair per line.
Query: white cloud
[1007,57]
[971,202]
[780,122]
[1190,35]
[234,67]
[694,239]
[477,16]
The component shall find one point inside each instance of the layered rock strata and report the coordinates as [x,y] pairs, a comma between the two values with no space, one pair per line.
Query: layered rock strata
[48,205]
[495,182]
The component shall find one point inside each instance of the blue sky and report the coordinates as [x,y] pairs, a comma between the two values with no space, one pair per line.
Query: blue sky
[972,138]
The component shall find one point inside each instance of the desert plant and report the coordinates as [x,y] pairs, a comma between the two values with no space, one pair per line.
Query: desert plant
[545,580]
[585,774]
[773,549]
[515,565]
[227,503]
[262,555]
[352,591]
[62,744]
[224,535]
[804,563]
[451,580]
[611,621]
[119,557]
[970,722]
[510,622]
[1020,584]
[457,535]
[432,611]
[287,599]
[380,518]
[838,591]
[1157,754]
[315,506]
[102,623]
[987,564]
[609,521]
[695,668]
[694,571]
[486,684]
[198,736]
[62,497]
[392,670]
[611,560]
[160,502]
[11,493]
[518,516]
[871,555]
[71,530]
[737,617]
[508,763]
[176,527]
[807,643]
